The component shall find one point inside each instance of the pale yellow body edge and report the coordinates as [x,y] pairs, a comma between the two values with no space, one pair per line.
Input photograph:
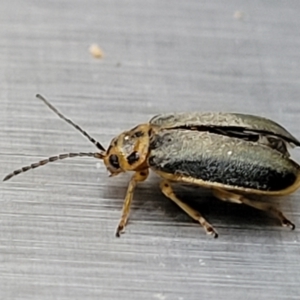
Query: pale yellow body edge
[216,185]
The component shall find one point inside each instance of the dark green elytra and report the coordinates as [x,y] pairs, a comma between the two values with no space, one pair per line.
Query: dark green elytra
[231,149]
[217,158]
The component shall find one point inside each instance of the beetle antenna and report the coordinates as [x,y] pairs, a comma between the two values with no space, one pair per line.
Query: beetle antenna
[51,159]
[91,139]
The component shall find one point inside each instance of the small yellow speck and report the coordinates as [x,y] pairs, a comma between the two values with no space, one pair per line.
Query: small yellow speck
[96,51]
[238,15]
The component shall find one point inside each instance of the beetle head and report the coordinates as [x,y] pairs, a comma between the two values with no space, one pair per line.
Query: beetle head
[128,151]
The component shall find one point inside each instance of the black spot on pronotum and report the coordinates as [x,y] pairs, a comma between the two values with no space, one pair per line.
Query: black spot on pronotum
[114,161]
[138,134]
[133,157]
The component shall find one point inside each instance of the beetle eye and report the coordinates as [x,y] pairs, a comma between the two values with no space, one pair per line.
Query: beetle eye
[114,161]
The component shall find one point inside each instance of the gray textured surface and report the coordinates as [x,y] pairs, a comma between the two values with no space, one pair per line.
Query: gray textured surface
[57,223]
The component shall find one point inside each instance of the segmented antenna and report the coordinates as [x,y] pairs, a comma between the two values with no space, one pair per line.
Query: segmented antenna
[96,143]
[51,159]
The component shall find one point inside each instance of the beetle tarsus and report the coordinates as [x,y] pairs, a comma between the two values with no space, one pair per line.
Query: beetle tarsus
[288,223]
[120,230]
[122,224]
[211,231]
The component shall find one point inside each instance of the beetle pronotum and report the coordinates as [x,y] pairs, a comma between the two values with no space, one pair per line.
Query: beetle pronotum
[233,155]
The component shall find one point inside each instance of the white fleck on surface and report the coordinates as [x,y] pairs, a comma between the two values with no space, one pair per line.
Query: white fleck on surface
[159,296]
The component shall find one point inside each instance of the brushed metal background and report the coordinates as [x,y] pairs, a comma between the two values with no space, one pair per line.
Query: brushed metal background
[57,223]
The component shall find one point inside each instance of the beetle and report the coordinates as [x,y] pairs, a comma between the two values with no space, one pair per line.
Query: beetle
[236,156]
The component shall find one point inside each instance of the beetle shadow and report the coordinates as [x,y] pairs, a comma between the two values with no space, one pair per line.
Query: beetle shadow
[219,213]
[225,214]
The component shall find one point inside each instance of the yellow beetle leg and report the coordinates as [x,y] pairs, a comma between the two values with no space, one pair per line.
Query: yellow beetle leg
[137,177]
[227,196]
[168,192]
[269,208]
